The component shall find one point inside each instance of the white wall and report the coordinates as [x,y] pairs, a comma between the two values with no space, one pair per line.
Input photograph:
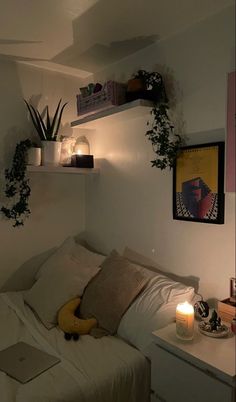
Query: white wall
[57,202]
[131,203]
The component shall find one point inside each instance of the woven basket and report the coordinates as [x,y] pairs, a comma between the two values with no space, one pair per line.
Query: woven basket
[112,94]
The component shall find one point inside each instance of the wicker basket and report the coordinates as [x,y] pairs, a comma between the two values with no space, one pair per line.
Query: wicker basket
[112,94]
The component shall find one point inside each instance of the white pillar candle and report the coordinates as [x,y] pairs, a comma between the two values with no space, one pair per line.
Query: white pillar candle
[184,321]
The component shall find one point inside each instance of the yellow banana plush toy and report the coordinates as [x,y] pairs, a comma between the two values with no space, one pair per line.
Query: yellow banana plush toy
[70,324]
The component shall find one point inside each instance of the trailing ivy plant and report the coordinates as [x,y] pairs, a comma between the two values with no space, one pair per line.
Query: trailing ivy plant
[17,188]
[165,142]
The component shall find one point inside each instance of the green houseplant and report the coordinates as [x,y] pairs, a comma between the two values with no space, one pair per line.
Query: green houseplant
[165,142]
[17,189]
[48,128]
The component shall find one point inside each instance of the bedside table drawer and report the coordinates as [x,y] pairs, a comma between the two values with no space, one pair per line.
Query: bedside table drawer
[173,379]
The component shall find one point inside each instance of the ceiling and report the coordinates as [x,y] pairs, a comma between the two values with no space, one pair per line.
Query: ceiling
[80,37]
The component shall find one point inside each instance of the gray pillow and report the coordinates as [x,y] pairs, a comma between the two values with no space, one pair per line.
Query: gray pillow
[24,277]
[110,293]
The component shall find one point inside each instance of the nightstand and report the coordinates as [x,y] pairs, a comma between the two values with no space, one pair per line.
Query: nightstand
[201,370]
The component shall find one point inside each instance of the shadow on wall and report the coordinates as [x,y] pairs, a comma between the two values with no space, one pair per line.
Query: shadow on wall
[95,26]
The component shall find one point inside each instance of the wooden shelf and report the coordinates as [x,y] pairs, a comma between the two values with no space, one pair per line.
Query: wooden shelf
[130,110]
[62,169]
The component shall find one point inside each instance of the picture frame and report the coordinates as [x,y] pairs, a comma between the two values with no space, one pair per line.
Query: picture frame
[198,183]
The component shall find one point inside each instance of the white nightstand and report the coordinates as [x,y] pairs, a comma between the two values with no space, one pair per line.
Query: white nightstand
[201,370]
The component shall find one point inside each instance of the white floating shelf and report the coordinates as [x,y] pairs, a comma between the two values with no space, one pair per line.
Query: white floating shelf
[130,110]
[62,169]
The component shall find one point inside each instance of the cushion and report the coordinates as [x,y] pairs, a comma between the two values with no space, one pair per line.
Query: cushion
[154,308]
[111,292]
[76,251]
[24,277]
[67,275]
[70,323]
[143,261]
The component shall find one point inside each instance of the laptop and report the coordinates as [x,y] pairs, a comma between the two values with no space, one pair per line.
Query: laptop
[24,362]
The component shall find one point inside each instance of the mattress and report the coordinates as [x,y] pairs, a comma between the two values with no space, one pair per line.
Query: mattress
[91,370]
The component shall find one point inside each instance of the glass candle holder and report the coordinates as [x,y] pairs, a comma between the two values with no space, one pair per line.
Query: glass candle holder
[185,321]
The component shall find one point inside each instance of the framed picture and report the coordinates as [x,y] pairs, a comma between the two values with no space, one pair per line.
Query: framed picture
[198,184]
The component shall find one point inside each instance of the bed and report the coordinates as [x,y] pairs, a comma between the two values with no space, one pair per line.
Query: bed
[129,300]
[101,370]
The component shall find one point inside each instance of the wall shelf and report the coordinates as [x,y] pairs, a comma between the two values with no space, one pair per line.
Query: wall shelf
[62,169]
[137,108]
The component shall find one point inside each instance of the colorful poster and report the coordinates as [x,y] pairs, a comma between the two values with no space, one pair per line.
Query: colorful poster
[198,186]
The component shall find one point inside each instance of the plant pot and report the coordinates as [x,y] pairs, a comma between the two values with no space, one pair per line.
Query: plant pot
[34,156]
[51,153]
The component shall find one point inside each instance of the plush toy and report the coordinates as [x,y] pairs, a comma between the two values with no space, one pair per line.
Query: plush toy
[70,324]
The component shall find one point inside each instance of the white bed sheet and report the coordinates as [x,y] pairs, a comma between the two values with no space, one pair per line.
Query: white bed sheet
[91,370]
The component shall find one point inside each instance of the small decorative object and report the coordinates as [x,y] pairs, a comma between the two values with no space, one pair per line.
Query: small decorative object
[97,88]
[184,321]
[201,309]
[48,132]
[233,290]
[17,188]
[233,325]
[198,184]
[165,141]
[67,149]
[84,92]
[81,157]
[34,156]
[70,323]
[213,327]
[82,146]
[91,87]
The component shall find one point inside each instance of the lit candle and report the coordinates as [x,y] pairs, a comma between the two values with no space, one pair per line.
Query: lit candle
[184,321]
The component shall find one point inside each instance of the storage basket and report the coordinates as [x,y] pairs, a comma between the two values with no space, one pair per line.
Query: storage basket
[112,94]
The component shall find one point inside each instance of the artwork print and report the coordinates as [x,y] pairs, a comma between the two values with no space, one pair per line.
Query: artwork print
[198,185]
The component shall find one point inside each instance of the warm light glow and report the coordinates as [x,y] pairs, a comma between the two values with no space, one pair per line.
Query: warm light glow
[185,308]
[185,321]
[82,146]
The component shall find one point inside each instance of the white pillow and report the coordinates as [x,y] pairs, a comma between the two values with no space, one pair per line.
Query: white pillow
[76,251]
[154,308]
[143,261]
[61,279]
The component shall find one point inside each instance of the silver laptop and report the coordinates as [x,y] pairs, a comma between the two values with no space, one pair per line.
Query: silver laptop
[24,362]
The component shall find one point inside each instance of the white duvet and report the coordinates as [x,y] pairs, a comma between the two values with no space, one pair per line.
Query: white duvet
[91,370]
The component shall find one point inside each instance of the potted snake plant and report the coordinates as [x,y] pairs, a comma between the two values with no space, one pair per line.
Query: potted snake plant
[47,128]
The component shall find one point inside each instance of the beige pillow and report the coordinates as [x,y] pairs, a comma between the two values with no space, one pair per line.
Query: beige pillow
[111,291]
[61,279]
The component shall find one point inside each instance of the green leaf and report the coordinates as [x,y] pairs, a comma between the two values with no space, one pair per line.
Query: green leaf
[59,121]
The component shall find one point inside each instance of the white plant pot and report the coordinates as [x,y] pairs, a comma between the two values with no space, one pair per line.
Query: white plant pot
[51,153]
[34,156]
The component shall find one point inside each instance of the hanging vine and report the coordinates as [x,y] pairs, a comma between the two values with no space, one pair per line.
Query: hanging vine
[165,142]
[17,188]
